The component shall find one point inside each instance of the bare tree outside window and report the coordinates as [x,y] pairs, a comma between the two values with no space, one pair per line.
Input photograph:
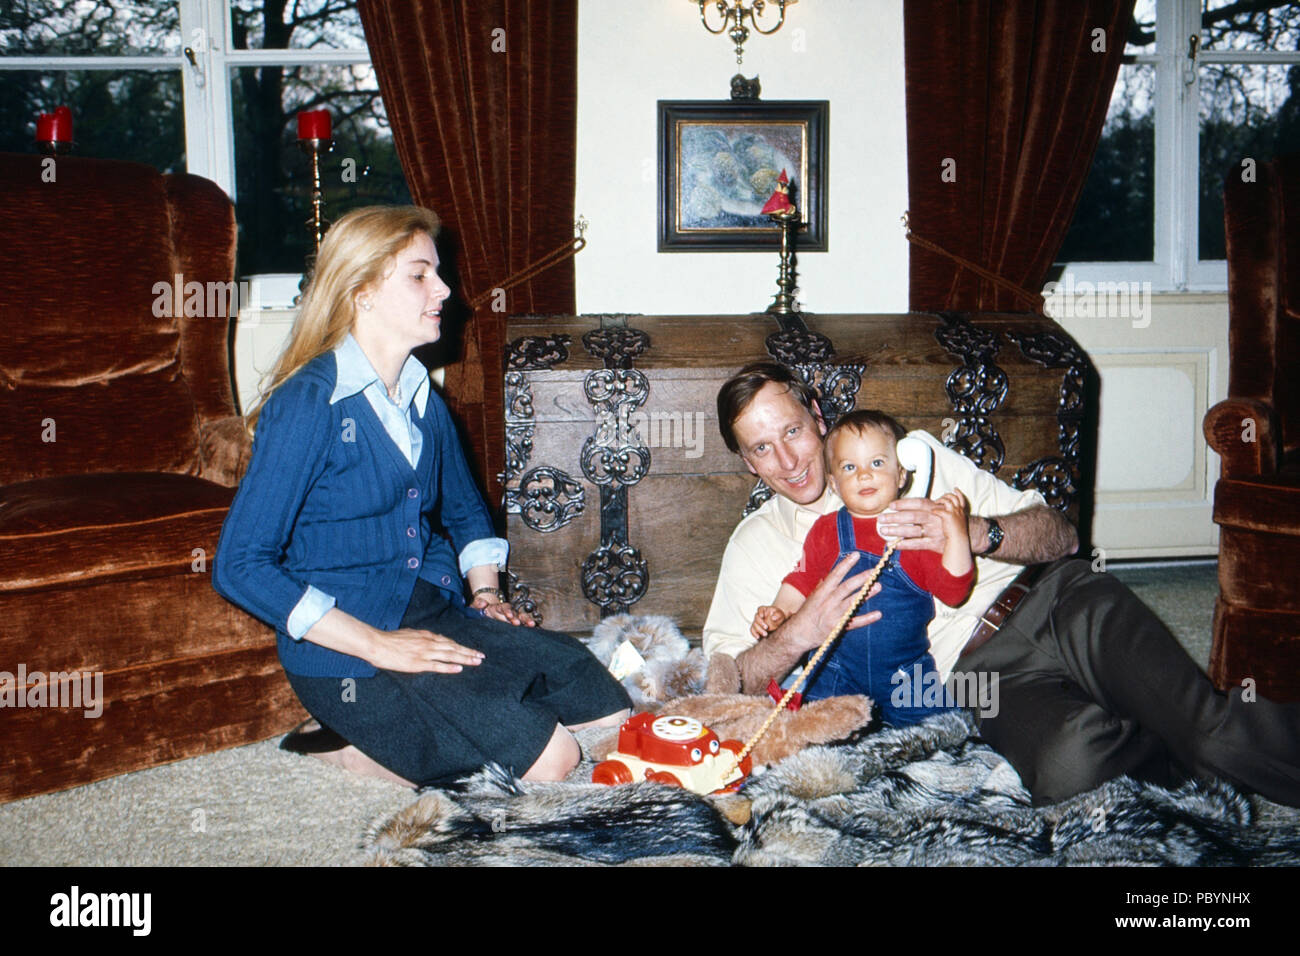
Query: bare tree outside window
[139,114]
[120,114]
[1246,110]
[1115,218]
[273,176]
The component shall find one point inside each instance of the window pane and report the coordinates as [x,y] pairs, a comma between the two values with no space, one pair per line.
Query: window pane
[116,114]
[1142,32]
[1247,112]
[1232,25]
[1115,219]
[320,24]
[273,175]
[82,28]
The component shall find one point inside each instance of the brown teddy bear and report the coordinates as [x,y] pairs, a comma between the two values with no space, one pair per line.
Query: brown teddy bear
[674,680]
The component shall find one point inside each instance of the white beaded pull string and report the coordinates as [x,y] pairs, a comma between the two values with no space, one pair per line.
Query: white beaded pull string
[812,663]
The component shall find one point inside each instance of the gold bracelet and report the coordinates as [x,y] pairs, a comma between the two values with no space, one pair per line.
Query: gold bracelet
[496,591]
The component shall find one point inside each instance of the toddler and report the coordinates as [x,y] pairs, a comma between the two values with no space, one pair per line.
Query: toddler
[889,660]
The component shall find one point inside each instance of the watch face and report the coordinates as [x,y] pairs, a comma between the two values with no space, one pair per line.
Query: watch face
[995,536]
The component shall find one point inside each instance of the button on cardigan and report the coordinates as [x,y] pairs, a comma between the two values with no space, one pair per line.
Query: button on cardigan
[326,503]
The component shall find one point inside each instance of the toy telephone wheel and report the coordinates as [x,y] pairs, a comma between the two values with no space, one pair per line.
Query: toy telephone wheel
[610,772]
[735,746]
[662,776]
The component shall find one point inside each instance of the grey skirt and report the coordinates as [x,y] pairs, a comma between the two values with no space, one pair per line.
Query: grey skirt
[435,728]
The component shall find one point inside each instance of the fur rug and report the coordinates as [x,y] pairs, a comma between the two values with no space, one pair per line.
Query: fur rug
[738,717]
[932,794]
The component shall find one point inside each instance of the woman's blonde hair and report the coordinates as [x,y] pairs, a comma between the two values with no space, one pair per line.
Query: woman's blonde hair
[356,252]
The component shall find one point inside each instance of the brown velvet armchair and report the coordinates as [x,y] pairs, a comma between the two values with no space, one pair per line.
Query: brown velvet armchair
[120,453]
[1256,431]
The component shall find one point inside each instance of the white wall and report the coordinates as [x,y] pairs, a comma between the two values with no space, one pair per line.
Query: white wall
[630,55]
[1159,376]
[1156,478]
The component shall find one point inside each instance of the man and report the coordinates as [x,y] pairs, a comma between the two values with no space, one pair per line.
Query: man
[1090,685]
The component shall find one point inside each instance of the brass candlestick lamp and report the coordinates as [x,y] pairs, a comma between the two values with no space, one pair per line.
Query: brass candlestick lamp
[780,208]
[314,148]
[315,136]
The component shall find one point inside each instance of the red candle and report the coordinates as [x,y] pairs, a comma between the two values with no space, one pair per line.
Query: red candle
[55,127]
[314,124]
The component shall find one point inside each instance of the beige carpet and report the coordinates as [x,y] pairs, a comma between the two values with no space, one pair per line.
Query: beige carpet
[259,806]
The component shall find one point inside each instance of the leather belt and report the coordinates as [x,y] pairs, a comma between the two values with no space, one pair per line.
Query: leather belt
[1000,611]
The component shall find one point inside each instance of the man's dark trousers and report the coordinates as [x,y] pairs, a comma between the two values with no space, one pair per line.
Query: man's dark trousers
[1092,686]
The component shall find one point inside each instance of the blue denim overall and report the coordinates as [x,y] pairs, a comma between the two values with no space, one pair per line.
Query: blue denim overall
[883,660]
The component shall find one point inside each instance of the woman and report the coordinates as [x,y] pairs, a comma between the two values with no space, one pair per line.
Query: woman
[333,538]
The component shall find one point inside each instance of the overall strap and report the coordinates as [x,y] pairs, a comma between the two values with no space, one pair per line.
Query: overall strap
[844,526]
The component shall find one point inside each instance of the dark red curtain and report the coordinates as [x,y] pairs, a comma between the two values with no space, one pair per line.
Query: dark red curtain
[1008,98]
[482,98]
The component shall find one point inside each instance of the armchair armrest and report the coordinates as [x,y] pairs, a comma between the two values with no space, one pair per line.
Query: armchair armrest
[224,447]
[1227,428]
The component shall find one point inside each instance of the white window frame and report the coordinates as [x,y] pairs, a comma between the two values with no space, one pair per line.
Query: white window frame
[209,129]
[1177,266]
[209,125]
[206,105]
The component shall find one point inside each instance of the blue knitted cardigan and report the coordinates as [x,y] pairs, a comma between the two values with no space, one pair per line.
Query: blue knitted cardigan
[328,500]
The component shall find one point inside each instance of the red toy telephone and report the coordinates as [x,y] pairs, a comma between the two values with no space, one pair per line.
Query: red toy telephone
[675,750]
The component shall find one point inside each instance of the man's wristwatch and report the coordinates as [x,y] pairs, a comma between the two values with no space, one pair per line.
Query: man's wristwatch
[996,534]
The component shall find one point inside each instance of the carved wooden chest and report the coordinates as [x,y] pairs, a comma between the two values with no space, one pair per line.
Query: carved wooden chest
[620,494]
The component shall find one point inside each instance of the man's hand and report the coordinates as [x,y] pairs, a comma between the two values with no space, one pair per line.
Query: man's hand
[918,522]
[775,655]
[1032,536]
[827,603]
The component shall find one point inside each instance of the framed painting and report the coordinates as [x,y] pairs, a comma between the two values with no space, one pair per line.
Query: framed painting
[719,162]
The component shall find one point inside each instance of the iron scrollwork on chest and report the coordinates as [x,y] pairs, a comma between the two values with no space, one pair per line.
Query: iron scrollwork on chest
[798,345]
[836,386]
[521,597]
[537,352]
[1057,477]
[546,498]
[615,453]
[760,494]
[614,577]
[616,347]
[519,425]
[976,389]
[614,457]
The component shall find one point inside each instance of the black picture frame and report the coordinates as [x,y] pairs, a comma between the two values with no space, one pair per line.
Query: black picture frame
[704,197]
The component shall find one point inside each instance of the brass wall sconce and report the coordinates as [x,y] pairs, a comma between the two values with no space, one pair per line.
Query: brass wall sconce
[736,14]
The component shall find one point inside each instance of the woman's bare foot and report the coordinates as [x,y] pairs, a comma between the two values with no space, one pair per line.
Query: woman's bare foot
[350,758]
[310,738]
